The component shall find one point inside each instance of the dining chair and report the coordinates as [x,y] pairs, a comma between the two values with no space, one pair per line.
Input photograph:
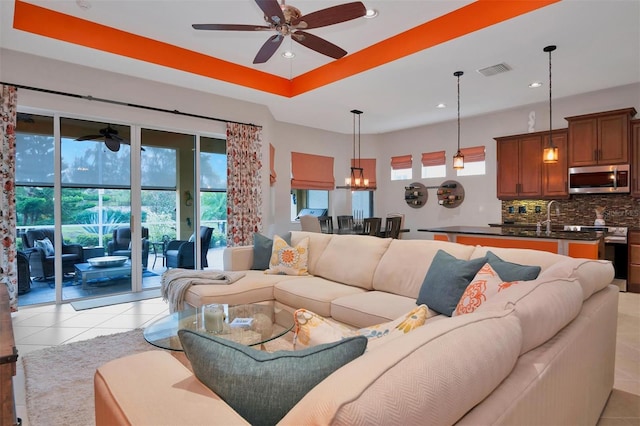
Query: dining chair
[392,227]
[345,222]
[401,216]
[371,225]
[310,223]
[326,224]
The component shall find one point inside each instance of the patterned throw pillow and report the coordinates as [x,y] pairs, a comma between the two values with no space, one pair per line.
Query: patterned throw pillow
[486,284]
[287,260]
[313,329]
[46,245]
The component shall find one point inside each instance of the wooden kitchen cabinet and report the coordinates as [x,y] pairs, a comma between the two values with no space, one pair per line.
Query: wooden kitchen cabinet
[635,158]
[633,273]
[600,138]
[555,176]
[521,172]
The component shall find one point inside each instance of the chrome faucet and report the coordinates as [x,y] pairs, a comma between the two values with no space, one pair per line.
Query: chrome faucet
[548,221]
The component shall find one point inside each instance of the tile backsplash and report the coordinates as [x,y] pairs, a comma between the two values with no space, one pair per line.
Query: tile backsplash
[620,210]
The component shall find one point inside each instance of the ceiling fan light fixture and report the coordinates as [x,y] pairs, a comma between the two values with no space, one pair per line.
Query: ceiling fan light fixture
[288,54]
[371,13]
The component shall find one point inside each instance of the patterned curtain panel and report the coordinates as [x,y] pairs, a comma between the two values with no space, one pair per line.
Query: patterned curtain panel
[244,195]
[8,263]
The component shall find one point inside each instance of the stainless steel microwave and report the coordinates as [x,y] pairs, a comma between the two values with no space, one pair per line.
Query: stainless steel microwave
[599,179]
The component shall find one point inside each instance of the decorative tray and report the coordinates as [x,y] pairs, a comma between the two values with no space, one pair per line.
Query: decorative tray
[107,261]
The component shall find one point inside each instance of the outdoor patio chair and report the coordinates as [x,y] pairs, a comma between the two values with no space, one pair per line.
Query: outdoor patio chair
[180,253]
[39,246]
[120,244]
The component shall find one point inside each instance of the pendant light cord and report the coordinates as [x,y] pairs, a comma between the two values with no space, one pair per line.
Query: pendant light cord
[459,74]
[550,49]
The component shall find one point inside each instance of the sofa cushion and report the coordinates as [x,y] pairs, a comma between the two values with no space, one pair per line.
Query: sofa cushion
[544,306]
[352,259]
[438,374]
[413,258]
[510,271]
[313,293]
[262,387]
[446,280]
[371,307]
[262,247]
[593,275]
[254,287]
[484,286]
[287,260]
[318,242]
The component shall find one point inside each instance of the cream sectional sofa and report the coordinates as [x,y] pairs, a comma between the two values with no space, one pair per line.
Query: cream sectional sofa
[542,353]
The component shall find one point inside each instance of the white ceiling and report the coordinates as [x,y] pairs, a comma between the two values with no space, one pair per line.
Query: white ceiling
[598,47]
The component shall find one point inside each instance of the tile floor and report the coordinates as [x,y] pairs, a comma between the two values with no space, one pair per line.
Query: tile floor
[39,327]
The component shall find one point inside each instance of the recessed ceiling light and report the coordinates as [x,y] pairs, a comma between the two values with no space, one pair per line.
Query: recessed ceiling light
[83,4]
[535,85]
[288,54]
[441,106]
[371,13]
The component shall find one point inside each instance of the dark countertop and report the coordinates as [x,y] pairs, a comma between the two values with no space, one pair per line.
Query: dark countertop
[516,232]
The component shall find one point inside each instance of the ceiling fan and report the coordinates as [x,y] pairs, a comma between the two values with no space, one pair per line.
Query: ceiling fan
[110,136]
[287,20]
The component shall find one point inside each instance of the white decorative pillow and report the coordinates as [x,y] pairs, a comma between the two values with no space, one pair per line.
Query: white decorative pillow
[287,260]
[312,329]
[486,284]
[46,245]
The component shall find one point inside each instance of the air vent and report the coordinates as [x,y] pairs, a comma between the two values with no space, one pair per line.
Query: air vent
[494,69]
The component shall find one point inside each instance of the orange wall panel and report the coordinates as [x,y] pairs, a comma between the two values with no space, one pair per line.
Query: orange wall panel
[583,250]
[550,246]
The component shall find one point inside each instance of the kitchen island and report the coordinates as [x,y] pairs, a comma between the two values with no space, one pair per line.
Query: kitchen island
[589,245]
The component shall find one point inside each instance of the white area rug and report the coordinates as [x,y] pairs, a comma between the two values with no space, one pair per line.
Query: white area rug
[59,380]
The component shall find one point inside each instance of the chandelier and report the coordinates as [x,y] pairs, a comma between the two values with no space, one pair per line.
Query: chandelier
[356,179]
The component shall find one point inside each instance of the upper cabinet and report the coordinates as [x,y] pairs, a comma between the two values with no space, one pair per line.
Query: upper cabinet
[635,158]
[521,172]
[601,138]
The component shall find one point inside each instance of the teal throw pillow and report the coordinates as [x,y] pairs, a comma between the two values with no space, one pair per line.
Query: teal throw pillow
[509,271]
[446,281]
[262,246]
[260,386]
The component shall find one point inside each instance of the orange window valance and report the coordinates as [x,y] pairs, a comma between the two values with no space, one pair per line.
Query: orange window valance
[475,153]
[312,171]
[437,158]
[272,168]
[402,162]
[368,169]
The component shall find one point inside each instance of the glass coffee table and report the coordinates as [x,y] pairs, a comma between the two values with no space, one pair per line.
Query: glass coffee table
[250,324]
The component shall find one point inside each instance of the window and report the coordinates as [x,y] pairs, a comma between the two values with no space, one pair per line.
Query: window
[401,167]
[362,202]
[434,164]
[311,180]
[474,163]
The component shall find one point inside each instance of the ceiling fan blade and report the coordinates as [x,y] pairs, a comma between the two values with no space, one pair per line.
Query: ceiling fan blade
[230,27]
[112,144]
[331,15]
[318,44]
[89,137]
[268,49]
[272,11]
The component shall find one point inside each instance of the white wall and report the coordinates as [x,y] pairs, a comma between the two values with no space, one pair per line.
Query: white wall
[479,208]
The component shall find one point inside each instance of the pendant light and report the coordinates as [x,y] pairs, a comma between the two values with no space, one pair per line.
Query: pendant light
[458,159]
[356,179]
[550,154]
